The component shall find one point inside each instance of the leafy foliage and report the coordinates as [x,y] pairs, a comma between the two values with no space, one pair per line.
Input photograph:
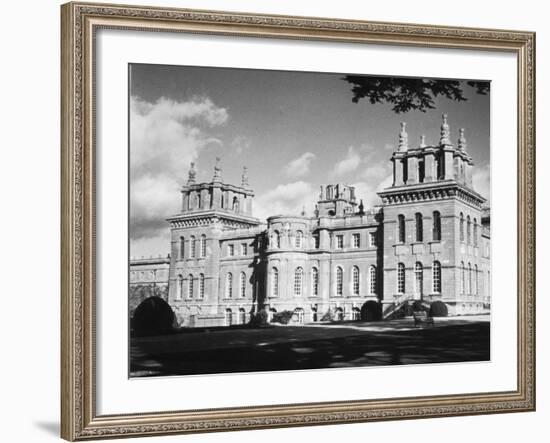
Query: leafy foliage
[259,319]
[410,94]
[438,309]
[282,317]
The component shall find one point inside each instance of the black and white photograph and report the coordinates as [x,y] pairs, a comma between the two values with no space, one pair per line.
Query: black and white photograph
[283,220]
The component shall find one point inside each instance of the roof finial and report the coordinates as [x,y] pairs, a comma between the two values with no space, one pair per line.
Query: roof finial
[403,138]
[361,208]
[303,213]
[217,170]
[422,141]
[192,174]
[244,178]
[461,140]
[445,132]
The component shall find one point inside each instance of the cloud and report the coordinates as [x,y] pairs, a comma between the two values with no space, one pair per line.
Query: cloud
[241,144]
[349,164]
[299,166]
[376,172]
[165,137]
[367,191]
[482,181]
[288,199]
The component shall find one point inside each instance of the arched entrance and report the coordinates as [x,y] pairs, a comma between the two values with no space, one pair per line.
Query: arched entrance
[153,316]
[371,311]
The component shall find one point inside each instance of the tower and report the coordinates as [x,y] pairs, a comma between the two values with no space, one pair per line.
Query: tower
[208,212]
[432,225]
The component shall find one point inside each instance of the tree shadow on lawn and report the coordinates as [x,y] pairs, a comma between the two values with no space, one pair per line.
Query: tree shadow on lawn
[260,350]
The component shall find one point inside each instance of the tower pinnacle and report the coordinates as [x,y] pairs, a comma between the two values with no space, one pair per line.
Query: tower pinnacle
[192,174]
[244,178]
[217,171]
[403,138]
[445,132]
[462,140]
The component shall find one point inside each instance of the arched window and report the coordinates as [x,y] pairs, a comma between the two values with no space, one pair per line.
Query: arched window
[476,287]
[400,278]
[355,314]
[339,281]
[339,314]
[242,316]
[372,279]
[299,313]
[192,247]
[462,278]
[475,232]
[436,277]
[299,239]
[355,282]
[436,232]
[418,278]
[242,284]
[182,248]
[190,288]
[314,281]
[228,317]
[461,226]
[201,285]
[469,231]
[418,227]
[470,279]
[276,239]
[203,245]
[401,228]
[274,282]
[179,289]
[298,280]
[229,285]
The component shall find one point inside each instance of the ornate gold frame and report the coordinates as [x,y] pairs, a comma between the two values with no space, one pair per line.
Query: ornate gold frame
[79,420]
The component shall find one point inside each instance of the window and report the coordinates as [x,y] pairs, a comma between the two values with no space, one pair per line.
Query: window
[298,279]
[314,281]
[274,282]
[228,317]
[316,242]
[242,285]
[339,281]
[400,278]
[436,231]
[339,314]
[244,249]
[229,285]
[203,245]
[190,288]
[201,286]
[356,240]
[276,239]
[401,228]
[436,277]
[469,231]
[476,287]
[372,239]
[462,277]
[182,248]
[242,316]
[339,242]
[231,250]
[299,313]
[418,227]
[355,282]
[475,232]
[372,280]
[355,314]
[192,247]
[418,278]
[461,227]
[179,289]
[470,286]
[299,239]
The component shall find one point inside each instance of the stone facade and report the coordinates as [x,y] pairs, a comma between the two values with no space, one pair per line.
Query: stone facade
[428,240]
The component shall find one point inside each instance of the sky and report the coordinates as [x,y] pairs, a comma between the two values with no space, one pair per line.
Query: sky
[295,131]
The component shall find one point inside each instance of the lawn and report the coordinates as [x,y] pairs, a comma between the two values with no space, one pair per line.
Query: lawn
[241,349]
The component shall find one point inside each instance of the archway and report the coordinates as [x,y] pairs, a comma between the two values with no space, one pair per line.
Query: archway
[371,311]
[153,316]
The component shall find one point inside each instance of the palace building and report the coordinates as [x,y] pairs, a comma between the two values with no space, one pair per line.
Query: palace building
[428,240]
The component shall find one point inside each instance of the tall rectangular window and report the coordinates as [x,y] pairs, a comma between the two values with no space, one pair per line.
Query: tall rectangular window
[419,227]
[400,278]
[314,281]
[356,241]
[182,248]
[274,282]
[231,250]
[203,246]
[316,240]
[201,286]
[339,281]
[339,242]
[436,277]
[436,232]
[244,249]
[242,285]
[355,282]
[401,228]
[372,239]
[192,247]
